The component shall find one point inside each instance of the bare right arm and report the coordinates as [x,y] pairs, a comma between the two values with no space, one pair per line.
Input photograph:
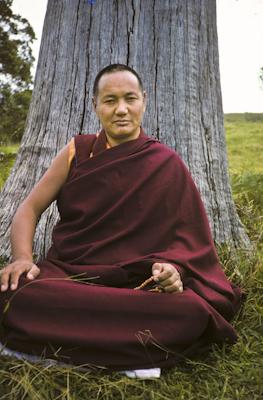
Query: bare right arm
[25,221]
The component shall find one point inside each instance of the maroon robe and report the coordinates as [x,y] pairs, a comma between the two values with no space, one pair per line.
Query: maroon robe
[122,210]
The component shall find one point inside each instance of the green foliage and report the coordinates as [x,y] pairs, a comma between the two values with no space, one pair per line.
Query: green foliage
[13,108]
[226,373]
[16,37]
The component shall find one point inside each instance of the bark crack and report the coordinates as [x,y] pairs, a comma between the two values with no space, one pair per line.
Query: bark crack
[114,31]
[133,16]
[206,143]
[173,80]
[55,63]
[155,44]
[130,31]
[72,69]
[86,92]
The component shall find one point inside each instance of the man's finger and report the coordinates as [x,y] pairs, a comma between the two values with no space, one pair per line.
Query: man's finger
[168,274]
[177,287]
[157,267]
[173,289]
[14,278]
[4,279]
[169,280]
[33,272]
[156,270]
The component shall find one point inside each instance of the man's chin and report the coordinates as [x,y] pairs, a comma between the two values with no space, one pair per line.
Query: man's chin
[123,132]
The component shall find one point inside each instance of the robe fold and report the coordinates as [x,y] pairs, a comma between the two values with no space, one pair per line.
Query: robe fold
[121,210]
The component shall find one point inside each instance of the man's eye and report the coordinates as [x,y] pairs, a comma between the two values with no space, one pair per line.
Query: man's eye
[109,101]
[131,98]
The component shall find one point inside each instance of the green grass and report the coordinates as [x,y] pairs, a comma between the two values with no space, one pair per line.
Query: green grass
[6,162]
[9,149]
[245,143]
[244,134]
[7,158]
[228,373]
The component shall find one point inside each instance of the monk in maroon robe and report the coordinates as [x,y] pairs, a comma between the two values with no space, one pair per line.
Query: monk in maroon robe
[132,279]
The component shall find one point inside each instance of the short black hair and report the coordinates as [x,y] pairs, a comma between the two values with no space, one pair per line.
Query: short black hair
[114,68]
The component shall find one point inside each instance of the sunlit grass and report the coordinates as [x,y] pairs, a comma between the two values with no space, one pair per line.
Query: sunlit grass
[244,134]
[245,143]
[7,158]
[228,373]
[10,149]
[6,163]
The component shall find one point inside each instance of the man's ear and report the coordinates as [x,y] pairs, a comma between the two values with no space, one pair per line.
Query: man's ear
[94,103]
[144,99]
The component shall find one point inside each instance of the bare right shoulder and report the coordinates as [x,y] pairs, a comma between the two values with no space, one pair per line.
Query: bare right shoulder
[47,189]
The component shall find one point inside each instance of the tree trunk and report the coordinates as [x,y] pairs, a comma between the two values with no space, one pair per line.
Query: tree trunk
[173,45]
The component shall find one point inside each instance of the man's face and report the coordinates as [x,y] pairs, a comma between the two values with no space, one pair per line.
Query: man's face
[120,105]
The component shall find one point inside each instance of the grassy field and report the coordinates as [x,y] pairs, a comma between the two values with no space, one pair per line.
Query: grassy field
[228,373]
[7,158]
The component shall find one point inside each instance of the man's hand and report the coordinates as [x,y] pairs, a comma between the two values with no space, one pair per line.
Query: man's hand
[9,275]
[168,277]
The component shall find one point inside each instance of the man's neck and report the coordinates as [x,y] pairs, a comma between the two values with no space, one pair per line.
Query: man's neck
[119,140]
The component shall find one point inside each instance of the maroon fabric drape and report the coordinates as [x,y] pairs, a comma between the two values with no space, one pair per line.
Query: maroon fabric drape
[122,210]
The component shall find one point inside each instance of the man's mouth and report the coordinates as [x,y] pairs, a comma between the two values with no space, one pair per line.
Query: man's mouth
[121,122]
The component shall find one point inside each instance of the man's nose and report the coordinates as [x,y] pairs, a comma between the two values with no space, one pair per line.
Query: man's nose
[121,108]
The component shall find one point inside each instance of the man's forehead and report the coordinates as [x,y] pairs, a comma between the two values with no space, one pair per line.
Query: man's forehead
[123,81]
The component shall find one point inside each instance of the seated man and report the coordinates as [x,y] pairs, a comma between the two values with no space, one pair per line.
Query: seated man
[132,279]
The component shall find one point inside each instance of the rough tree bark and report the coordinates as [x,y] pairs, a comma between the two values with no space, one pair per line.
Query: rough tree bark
[173,45]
